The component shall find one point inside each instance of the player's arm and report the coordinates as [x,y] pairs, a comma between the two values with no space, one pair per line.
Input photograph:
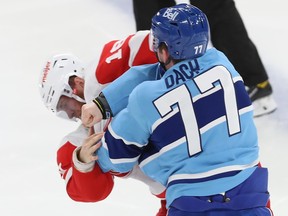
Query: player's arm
[141,46]
[79,184]
[119,55]
[114,97]
[123,142]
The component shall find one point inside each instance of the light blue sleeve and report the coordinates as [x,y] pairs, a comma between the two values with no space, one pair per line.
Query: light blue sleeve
[118,91]
[126,136]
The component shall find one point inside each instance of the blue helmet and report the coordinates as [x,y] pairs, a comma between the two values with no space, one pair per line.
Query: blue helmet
[183,28]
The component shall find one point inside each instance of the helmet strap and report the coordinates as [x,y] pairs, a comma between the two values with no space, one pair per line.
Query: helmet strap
[76,97]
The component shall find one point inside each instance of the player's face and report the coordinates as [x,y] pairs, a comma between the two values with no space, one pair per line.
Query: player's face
[71,106]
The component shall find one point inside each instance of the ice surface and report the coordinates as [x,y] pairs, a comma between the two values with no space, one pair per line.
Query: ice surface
[33,30]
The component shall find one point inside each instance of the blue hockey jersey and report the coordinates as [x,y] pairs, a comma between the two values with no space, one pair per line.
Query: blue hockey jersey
[190,128]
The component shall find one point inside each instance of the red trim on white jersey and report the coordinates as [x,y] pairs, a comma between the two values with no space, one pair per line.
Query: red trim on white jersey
[85,187]
[116,57]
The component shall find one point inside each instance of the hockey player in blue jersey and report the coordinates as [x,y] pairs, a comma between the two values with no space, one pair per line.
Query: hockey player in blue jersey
[187,121]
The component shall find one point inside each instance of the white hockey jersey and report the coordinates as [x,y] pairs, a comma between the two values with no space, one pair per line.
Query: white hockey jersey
[116,57]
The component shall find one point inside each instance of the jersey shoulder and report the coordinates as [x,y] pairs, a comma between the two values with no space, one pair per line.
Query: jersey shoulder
[119,55]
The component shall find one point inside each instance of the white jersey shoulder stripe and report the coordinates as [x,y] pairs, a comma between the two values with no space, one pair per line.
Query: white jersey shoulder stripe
[135,44]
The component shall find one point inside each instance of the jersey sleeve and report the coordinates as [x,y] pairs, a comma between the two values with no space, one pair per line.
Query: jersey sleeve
[141,49]
[117,92]
[119,55]
[92,186]
[125,139]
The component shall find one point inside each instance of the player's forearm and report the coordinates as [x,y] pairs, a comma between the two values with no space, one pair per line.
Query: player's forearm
[92,186]
[117,93]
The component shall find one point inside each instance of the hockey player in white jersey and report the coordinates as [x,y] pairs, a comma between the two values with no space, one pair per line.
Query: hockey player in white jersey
[187,121]
[65,84]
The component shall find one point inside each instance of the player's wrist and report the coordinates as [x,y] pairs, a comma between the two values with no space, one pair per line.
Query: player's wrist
[103,106]
[79,164]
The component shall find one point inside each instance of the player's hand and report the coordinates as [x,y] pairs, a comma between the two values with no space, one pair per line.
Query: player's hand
[90,114]
[89,147]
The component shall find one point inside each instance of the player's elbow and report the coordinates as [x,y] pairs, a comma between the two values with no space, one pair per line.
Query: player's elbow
[95,194]
[92,188]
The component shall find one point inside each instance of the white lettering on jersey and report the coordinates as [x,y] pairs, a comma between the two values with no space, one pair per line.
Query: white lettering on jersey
[61,170]
[115,55]
[205,83]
